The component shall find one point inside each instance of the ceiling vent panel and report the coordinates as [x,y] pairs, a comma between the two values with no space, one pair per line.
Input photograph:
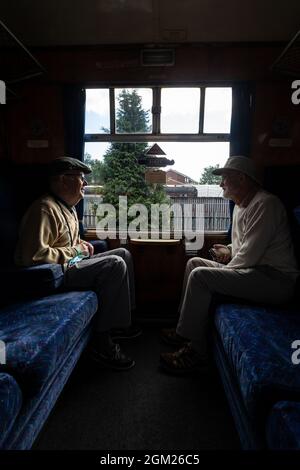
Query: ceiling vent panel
[157,57]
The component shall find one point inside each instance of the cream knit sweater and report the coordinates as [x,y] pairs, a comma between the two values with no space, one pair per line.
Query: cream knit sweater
[261,235]
[48,234]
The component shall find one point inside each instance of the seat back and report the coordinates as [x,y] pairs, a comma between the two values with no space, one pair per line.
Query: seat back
[19,186]
[283,181]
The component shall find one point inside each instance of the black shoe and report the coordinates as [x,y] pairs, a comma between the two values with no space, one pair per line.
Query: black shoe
[115,359]
[132,331]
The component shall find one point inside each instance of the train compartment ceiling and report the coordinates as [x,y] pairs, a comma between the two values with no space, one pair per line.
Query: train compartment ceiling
[108,22]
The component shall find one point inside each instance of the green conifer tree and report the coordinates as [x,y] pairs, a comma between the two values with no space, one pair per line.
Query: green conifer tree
[123,175]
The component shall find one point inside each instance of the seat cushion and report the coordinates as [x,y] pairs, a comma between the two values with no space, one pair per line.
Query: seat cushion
[39,333]
[10,404]
[283,426]
[34,281]
[257,341]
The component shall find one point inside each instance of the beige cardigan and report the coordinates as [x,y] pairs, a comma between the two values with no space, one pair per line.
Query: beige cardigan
[48,234]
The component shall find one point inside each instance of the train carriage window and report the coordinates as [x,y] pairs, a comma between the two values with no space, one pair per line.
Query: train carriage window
[189,125]
[97,115]
[180,110]
[217,110]
[133,110]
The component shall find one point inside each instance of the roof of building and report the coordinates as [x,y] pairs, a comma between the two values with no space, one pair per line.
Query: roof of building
[209,190]
[178,173]
[178,189]
[203,190]
[155,150]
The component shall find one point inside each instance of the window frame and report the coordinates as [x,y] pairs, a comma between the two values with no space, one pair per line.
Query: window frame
[156,135]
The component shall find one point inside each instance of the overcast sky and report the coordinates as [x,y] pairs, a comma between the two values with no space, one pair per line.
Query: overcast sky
[180,111]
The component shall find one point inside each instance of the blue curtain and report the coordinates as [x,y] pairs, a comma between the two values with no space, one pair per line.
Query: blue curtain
[241,125]
[74,123]
[241,119]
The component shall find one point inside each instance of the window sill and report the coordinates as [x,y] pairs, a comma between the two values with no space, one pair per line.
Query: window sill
[91,234]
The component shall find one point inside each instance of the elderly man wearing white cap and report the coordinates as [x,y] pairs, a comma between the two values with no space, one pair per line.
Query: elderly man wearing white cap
[258,265]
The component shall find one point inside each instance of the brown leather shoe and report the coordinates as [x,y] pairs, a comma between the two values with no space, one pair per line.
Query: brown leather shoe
[184,362]
[170,337]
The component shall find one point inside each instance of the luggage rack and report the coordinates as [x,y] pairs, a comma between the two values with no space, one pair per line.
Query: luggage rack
[16,62]
[289,60]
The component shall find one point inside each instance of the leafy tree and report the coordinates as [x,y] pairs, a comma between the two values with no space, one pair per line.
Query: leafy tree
[207,177]
[123,175]
[98,169]
[131,117]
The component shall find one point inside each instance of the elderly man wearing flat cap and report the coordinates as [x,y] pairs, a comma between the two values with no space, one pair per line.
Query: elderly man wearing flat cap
[49,233]
[258,265]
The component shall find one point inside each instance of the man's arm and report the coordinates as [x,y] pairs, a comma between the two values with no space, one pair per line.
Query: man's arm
[38,234]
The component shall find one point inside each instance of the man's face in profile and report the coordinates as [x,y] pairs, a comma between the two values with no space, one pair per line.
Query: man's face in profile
[74,183]
[231,183]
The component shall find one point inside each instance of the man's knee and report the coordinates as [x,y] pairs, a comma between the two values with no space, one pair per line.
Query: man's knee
[209,278]
[125,254]
[191,264]
[194,263]
[111,264]
[118,263]
[198,276]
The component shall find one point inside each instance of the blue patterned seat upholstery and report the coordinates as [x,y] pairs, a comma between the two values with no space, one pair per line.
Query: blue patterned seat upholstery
[44,334]
[283,426]
[257,342]
[38,335]
[10,404]
[253,346]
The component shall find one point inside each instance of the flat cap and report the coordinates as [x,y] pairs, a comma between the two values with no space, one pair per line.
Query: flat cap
[61,165]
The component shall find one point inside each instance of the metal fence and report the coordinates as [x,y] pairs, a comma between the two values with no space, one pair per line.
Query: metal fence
[91,202]
[214,211]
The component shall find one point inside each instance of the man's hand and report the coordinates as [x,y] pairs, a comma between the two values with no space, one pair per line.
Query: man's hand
[222,253]
[86,248]
[89,247]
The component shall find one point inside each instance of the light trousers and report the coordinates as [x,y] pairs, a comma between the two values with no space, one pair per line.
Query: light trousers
[203,278]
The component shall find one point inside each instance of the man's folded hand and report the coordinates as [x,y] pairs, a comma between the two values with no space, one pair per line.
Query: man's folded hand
[222,253]
[83,249]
